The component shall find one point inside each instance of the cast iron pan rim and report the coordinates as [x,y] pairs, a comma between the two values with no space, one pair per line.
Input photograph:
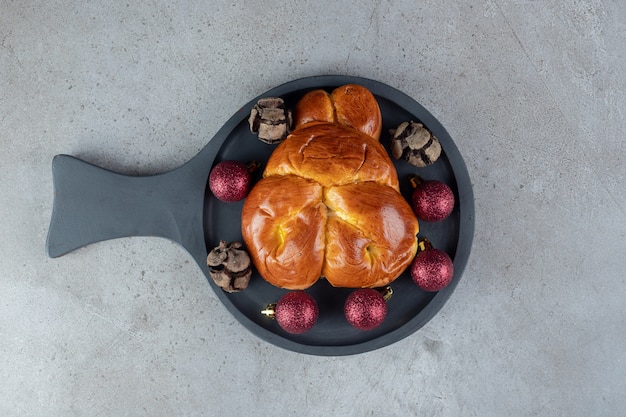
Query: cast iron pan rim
[466,205]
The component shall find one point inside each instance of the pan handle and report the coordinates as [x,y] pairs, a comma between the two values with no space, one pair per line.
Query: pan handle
[92,204]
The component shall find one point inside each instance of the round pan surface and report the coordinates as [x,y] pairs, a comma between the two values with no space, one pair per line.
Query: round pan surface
[93,204]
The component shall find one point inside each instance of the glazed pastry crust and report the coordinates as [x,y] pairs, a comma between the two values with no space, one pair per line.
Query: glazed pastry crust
[284,224]
[332,154]
[370,233]
[349,105]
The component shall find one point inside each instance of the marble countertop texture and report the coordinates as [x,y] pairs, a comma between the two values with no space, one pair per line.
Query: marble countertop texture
[534,95]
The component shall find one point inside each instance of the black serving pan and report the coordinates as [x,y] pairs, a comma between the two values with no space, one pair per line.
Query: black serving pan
[92,204]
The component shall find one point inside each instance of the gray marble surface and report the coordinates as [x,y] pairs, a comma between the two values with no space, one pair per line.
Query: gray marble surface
[534,94]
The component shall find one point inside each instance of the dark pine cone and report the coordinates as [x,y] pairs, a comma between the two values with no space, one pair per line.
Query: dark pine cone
[415,144]
[271,119]
[229,266]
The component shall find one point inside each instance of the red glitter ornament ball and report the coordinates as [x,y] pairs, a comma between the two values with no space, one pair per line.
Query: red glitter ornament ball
[296,312]
[432,270]
[433,201]
[365,309]
[230,181]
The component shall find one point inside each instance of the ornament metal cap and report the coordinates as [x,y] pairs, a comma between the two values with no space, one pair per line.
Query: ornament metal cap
[423,244]
[386,292]
[270,311]
[415,180]
[252,166]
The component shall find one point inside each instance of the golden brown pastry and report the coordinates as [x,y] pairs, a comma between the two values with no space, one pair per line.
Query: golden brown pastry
[349,105]
[329,203]
[332,154]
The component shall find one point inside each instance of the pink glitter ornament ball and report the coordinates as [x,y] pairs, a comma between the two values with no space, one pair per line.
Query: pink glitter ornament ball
[433,201]
[365,309]
[230,181]
[432,270]
[296,312]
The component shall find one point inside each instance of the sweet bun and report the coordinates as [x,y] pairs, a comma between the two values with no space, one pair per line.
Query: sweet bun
[371,234]
[284,225]
[329,204]
[332,154]
[349,105]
